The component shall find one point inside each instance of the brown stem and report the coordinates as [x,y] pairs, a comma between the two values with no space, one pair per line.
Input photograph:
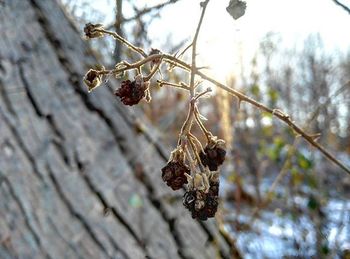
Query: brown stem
[241,97]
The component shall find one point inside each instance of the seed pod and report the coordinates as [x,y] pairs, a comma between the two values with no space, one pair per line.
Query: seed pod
[131,93]
[92,79]
[173,174]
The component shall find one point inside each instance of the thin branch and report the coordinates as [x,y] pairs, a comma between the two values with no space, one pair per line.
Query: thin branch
[194,48]
[291,151]
[181,85]
[201,126]
[270,192]
[241,97]
[346,8]
[150,9]
[277,113]
[121,39]
[329,99]
[186,127]
[143,12]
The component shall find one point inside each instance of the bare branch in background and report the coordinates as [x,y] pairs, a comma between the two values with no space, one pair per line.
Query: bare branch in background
[118,26]
[149,9]
[346,8]
[142,12]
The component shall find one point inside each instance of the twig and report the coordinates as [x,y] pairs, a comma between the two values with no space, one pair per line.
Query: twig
[277,113]
[186,127]
[181,85]
[241,97]
[154,70]
[144,11]
[292,151]
[282,173]
[342,6]
[122,40]
[194,48]
[201,126]
[344,87]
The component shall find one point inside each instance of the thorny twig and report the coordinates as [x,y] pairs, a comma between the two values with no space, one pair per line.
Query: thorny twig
[291,152]
[310,138]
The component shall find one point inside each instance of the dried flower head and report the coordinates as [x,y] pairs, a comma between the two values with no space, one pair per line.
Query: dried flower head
[236,8]
[173,174]
[92,79]
[90,30]
[214,154]
[131,92]
[202,205]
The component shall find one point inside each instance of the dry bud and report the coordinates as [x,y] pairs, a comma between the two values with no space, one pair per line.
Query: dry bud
[92,79]
[90,30]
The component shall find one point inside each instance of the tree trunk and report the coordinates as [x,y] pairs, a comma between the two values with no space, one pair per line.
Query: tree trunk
[78,178]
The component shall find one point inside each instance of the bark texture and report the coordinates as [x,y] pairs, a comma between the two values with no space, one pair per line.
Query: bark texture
[78,178]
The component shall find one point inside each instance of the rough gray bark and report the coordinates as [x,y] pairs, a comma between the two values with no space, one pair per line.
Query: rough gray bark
[73,164]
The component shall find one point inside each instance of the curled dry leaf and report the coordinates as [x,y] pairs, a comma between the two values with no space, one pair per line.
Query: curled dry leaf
[236,8]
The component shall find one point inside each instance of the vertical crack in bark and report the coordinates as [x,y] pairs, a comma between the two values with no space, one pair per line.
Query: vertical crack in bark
[161,152]
[69,244]
[105,204]
[6,99]
[3,74]
[59,140]
[22,146]
[162,211]
[74,213]
[28,91]
[25,215]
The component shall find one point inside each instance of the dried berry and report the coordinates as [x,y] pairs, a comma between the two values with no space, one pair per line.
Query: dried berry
[214,189]
[212,157]
[92,79]
[202,205]
[90,30]
[131,93]
[174,174]
[156,60]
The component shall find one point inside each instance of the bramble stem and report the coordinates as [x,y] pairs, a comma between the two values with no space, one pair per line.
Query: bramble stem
[310,138]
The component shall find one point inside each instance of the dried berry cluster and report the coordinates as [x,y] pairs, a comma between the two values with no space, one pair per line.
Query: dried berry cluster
[130,93]
[202,182]
[190,165]
[213,156]
[202,205]
[173,174]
